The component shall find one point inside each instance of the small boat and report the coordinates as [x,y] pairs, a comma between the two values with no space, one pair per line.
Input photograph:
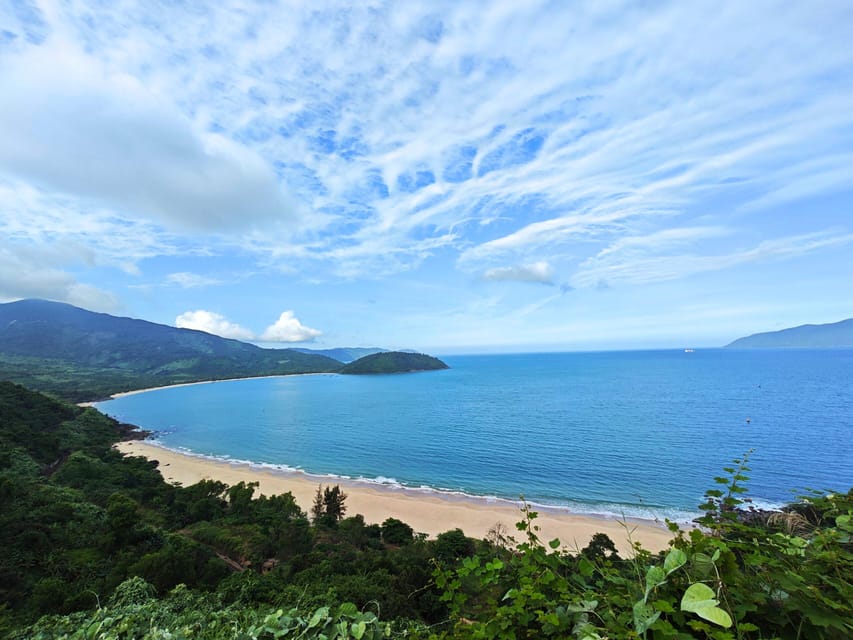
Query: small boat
[689,350]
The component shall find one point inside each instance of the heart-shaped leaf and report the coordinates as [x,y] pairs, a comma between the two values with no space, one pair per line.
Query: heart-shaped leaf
[699,599]
[675,559]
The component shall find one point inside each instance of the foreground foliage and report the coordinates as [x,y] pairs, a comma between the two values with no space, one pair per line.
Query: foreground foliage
[743,575]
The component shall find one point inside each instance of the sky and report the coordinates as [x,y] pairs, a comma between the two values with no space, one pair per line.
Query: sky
[454,177]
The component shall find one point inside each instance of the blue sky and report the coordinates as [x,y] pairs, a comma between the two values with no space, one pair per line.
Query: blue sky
[452,177]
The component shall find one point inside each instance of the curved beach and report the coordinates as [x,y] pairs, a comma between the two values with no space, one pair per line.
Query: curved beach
[430,513]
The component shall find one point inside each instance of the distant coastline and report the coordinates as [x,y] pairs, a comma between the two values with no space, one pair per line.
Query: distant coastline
[134,392]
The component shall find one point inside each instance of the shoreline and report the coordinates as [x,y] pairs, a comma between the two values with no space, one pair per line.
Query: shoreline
[431,512]
[134,392]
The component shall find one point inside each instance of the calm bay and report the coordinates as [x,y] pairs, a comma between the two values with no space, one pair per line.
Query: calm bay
[638,433]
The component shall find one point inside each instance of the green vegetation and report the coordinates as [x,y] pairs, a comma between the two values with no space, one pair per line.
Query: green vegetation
[815,336]
[746,574]
[393,362]
[78,355]
[95,545]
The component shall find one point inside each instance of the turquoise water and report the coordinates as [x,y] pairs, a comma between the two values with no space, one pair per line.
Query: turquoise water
[633,433]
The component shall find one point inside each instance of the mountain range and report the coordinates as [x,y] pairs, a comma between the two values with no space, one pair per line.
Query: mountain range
[81,355]
[816,336]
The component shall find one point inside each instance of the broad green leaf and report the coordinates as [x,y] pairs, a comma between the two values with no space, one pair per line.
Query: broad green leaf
[357,630]
[654,577]
[702,562]
[675,559]
[554,543]
[698,595]
[318,616]
[716,615]
[699,599]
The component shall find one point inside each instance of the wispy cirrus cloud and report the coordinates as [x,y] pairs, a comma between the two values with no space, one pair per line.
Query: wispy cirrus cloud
[644,260]
[539,272]
[188,280]
[340,140]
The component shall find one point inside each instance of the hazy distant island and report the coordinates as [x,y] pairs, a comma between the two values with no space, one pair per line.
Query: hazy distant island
[816,336]
[393,362]
[79,355]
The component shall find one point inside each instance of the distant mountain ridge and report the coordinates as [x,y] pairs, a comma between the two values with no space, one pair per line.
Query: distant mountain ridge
[81,355]
[818,336]
[65,350]
[344,354]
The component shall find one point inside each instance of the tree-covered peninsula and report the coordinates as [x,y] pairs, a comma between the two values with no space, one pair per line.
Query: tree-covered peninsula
[393,362]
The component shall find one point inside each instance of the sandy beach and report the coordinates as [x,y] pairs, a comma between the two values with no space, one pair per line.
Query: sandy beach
[430,513]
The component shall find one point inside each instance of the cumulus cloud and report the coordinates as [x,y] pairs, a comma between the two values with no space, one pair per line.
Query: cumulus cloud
[288,328]
[68,124]
[538,272]
[212,322]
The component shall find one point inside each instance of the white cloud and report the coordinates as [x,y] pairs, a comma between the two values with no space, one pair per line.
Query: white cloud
[493,133]
[32,274]
[187,280]
[212,322]
[71,125]
[641,261]
[540,272]
[288,329]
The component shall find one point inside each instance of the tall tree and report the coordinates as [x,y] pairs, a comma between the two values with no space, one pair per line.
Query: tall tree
[328,508]
[318,509]
[333,501]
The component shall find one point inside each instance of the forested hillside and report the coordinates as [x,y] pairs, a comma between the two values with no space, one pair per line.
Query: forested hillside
[78,519]
[80,355]
[96,545]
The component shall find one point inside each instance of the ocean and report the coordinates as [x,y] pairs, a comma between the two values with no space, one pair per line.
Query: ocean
[635,433]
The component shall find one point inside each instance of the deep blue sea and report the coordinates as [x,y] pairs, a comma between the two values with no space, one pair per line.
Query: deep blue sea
[639,433]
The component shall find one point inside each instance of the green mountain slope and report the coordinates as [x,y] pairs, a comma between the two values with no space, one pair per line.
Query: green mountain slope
[393,362]
[836,334]
[81,355]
